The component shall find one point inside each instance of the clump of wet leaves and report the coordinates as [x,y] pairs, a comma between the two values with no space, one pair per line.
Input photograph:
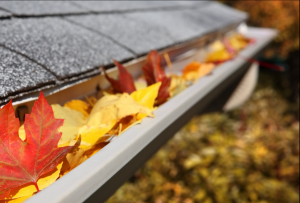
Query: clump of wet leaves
[248,155]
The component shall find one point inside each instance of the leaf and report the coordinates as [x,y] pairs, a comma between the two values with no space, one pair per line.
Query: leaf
[18,200]
[195,70]
[24,162]
[140,84]
[153,74]
[80,106]
[147,96]
[178,84]
[43,182]
[74,158]
[238,42]
[108,111]
[73,120]
[125,82]
[219,56]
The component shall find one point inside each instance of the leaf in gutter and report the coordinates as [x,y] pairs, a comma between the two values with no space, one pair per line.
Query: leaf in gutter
[80,106]
[195,70]
[219,56]
[107,112]
[147,96]
[125,82]
[239,42]
[74,158]
[73,120]
[178,84]
[18,200]
[153,74]
[30,189]
[24,162]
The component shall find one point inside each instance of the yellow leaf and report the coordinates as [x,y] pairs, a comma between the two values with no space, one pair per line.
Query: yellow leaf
[78,105]
[29,189]
[194,71]
[73,120]
[19,200]
[92,135]
[217,46]
[22,133]
[147,96]
[109,110]
[238,42]
[140,84]
[73,159]
[205,69]
[218,56]
[178,84]
[95,149]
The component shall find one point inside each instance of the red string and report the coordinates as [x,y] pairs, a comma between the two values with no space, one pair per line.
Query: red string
[231,50]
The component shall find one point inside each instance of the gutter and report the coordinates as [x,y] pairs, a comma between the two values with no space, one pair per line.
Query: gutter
[99,177]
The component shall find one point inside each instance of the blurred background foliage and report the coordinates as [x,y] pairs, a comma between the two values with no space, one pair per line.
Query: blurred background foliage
[249,155]
[281,15]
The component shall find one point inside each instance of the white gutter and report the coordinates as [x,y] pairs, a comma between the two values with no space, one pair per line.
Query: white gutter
[120,157]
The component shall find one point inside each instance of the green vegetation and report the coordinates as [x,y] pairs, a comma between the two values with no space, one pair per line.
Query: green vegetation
[248,155]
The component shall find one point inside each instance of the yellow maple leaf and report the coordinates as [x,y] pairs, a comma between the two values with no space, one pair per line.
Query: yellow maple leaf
[73,120]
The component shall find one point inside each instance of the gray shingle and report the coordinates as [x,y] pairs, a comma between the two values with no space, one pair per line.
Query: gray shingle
[177,24]
[18,74]
[224,15]
[33,8]
[4,14]
[144,31]
[65,49]
[187,24]
[139,36]
[109,6]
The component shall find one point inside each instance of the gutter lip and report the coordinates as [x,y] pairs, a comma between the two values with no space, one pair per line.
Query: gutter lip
[79,184]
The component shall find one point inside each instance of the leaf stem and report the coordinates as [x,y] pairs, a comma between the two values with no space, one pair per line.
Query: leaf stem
[37,187]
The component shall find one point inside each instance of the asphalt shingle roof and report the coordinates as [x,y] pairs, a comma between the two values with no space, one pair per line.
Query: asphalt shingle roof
[4,14]
[18,73]
[43,8]
[63,48]
[50,43]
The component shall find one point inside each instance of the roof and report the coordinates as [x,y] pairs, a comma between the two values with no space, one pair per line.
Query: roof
[50,43]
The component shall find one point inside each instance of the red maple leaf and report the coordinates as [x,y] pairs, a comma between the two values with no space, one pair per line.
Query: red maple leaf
[153,74]
[23,162]
[125,82]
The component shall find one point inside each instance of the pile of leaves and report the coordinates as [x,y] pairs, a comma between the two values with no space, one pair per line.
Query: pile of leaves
[248,155]
[56,139]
